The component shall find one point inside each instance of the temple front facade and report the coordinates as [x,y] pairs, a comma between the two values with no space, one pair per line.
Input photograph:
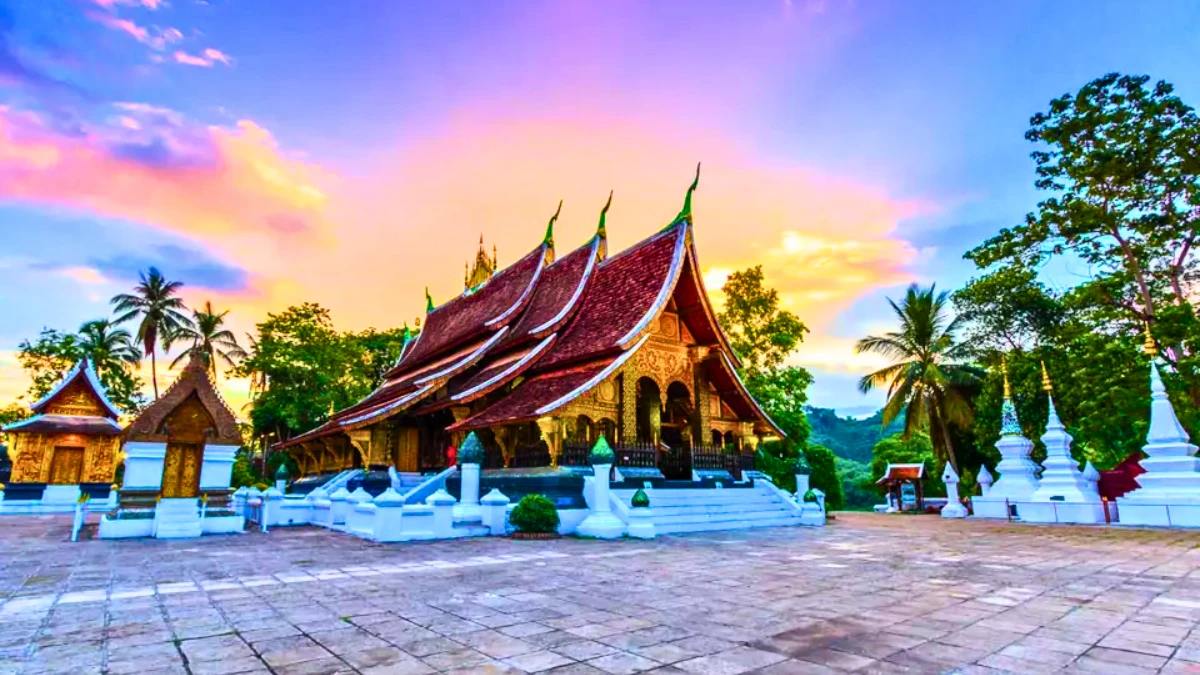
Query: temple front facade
[542,357]
[68,448]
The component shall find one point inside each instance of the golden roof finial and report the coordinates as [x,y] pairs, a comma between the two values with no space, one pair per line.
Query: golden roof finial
[1149,347]
[1046,379]
[1004,371]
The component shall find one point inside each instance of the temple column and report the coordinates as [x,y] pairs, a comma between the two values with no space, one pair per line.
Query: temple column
[628,403]
[552,433]
[702,421]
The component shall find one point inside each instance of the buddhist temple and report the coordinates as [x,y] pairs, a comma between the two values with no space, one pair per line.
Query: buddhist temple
[543,356]
[69,447]
[179,456]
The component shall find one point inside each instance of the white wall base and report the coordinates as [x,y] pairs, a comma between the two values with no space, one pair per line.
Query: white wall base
[1087,513]
[61,494]
[125,529]
[990,507]
[224,524]
[1178,514]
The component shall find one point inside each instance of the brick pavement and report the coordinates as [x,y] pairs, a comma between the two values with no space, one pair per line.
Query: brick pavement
[869,594]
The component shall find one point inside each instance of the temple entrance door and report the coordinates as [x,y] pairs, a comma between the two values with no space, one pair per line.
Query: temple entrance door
[181,470]
[66,466]
[408,449]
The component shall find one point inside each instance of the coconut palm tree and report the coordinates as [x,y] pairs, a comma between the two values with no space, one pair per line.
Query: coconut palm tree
[107,346]
[154,299]
[210,340]
[928,378]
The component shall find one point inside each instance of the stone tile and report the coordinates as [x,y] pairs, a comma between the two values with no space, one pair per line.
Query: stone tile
[622,663]
[536,662]
[494,644]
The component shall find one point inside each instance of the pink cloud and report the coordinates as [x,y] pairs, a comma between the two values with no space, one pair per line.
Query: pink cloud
[206,59]
[148,4]
[155,38]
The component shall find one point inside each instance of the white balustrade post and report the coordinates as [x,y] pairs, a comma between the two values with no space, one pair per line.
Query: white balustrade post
[601,523]
[272,507]
[443,513]
[985,480]
[389,512]
[322,511]
[953,508]
[495,512]
[339,505]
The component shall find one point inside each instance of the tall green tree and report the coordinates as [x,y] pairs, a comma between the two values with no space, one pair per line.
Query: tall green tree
[210,340]
[929,381]
[1120,163]
[304,368]
[156,301]
[764,335]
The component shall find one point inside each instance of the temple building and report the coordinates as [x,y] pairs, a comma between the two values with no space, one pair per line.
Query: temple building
[179,455]
[69,447]
[543,356]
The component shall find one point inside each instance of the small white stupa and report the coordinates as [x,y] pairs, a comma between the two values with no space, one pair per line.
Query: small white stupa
[1064,494]
[1170,489]
[953,508]
[1018,474]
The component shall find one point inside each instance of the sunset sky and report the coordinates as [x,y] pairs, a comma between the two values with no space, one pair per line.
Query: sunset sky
[270,152]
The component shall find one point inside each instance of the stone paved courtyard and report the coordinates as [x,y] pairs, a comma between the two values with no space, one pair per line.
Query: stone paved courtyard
[868,594]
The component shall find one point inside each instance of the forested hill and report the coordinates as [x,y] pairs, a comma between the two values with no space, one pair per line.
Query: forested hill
[848,437]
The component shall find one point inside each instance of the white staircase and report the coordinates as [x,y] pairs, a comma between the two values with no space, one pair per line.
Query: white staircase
[177,518]
[408,481]
[699,510]
[470,526]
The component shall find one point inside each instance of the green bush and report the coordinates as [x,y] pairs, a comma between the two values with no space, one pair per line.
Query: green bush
[810,496]
[534,514]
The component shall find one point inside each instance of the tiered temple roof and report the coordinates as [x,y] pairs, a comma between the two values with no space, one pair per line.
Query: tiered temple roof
[562,325]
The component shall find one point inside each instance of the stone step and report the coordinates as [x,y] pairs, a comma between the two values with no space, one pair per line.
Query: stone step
[721,515]
[665,512]
[704,526]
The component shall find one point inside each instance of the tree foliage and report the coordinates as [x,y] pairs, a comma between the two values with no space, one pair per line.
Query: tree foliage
[929,381]
[763,335]
[304,369]
[48,359]
[156,301]
[210,341]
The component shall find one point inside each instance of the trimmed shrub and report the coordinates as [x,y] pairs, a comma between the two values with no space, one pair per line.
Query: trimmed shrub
[534,514]
[472,451]
[602,453]
[810,497]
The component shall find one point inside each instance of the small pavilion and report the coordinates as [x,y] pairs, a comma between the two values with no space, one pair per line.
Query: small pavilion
[179,456]
[903,482]
[69,447]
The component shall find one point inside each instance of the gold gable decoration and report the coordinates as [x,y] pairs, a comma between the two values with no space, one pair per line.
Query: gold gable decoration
[483,269]
[193,391]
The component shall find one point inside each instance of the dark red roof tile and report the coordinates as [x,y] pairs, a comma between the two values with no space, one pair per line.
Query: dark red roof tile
[623,294]
[524,402]
[498,303]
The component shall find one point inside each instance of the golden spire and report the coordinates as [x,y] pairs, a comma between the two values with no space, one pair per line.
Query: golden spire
[1004,370]
[1149,347]
[1046,379]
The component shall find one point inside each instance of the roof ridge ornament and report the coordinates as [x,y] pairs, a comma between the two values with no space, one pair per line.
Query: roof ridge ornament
[686,212]
[1148,346]
[1009,423]
[428,301]
[602,229]
[549,238]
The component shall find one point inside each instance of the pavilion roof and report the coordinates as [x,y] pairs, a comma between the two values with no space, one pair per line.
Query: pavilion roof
[84,374]
[897,473]
[66,424]
[147,426]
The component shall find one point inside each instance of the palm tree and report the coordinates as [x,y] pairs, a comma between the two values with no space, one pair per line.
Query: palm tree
[107,346]
[925,382]
[154,299]
[210,340]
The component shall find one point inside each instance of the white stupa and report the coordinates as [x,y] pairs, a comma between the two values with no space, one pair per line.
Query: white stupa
[1064,495]
[1018,474]
[1170,489]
